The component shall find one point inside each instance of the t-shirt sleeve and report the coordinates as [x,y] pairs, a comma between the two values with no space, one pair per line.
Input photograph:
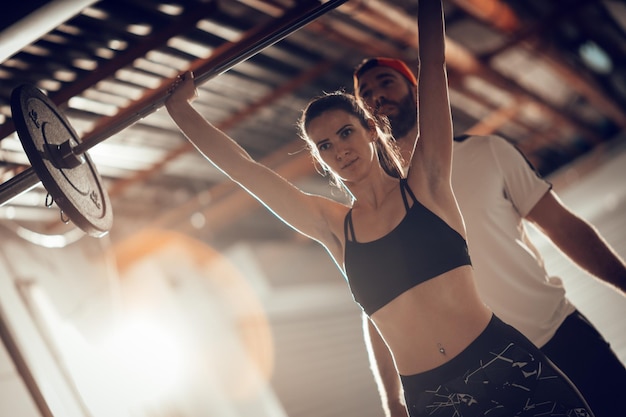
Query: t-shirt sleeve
[524,186]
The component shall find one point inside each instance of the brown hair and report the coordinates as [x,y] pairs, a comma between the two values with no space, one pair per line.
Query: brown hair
[386,148]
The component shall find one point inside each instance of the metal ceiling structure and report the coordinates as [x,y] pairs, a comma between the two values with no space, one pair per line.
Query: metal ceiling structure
[548,76]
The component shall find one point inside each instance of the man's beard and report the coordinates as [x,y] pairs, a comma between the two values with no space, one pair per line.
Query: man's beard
[406,118]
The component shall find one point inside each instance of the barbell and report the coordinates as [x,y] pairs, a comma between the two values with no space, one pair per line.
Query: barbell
[58,157]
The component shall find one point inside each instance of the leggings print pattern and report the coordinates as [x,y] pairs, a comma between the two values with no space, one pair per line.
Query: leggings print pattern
[495,376]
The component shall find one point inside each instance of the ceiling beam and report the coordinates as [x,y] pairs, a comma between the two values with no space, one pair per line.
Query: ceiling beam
[181,24]
[500,16]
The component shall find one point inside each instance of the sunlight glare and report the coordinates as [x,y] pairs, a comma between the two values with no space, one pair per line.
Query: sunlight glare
[149,356]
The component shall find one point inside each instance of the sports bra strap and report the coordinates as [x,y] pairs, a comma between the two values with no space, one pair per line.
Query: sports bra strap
[404,189]
[348,226]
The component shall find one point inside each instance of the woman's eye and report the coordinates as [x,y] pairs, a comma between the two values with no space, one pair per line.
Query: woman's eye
[324,146]
[346,132]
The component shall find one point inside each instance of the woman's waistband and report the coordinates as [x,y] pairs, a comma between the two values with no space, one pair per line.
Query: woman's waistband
[494,337]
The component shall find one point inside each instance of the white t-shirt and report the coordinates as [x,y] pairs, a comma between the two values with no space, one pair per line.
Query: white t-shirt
[495,188]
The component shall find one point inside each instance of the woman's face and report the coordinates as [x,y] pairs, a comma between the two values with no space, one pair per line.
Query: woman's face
[344,145]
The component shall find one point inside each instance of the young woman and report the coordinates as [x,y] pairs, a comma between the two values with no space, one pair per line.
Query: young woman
[401,246]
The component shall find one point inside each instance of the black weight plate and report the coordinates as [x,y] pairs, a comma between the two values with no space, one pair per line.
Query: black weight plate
[78,191]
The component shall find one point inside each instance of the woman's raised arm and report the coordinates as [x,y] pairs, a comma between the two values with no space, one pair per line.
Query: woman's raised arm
[433,151]
[304,212]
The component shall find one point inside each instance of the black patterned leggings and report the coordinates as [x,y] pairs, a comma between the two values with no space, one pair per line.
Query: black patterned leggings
[500,374]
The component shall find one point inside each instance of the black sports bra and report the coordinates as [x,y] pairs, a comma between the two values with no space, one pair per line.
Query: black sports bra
[421,247]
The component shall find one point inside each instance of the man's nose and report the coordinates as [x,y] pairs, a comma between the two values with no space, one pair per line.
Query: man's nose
[378,97]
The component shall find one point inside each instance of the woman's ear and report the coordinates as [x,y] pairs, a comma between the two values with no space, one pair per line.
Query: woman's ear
[371,125]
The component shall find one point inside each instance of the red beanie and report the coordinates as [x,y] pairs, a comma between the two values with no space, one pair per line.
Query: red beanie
[392,63]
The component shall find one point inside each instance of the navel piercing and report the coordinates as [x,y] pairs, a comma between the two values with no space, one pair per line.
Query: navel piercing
[441,349]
